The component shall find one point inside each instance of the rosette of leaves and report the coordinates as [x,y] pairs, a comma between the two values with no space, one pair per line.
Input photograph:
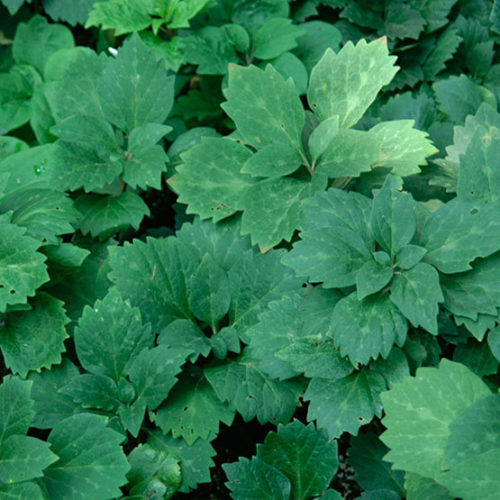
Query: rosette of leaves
[296,462]
[166,338]
[109,115]
[281,154]
[82,458]
[443,430]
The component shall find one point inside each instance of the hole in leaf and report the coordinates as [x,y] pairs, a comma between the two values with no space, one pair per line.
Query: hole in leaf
[12,291]
[361,419]
[186,408]
[1,286]
[474,211]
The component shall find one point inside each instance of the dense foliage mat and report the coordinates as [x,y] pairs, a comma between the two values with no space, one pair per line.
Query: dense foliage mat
[249,249]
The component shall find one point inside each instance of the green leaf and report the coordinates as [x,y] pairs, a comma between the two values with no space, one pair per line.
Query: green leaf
[93,391]
[434,12]
[474,432]
[91,462]
[372,472]
[403,21]
[403,148]
[494,342]
[192,410]
[21,491]
[474,292]
[185,333]
[474,479]
[74,12]
[409,256]
[154,276]
[319,36]
[209,296]
[34,339]
[134,87]
[103,216]
[123,17]
[275,36]
[221,161]
[237,36]
[37,40]
[195,460]
[251,392]
[153,473]
[451,244]
[145,161]
[273,160]
[279,195]
[350,153]
[416,293]
[16,408]
[344,405]
[265,108]
[346,83]
[322,136]
[184,11]
[256,480]
[393,219]
[51,405]
[446,46]
[22,268]
[363,329]
[210,49]
[290,66]
[15,100]
[371,278]
[419,412]
[459,96]
[422,488]
[110,335]
[304,455]
[479,179]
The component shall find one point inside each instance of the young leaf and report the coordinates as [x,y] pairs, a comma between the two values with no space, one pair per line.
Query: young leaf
[409,256]
[186,333]
[344,405]
[346,83]
[192,410]
[322,136]
[371,278]
[417,293]
[274,37]
[91,462]
[265,107]
[134,88]
[93,391]
[363,329]
[34,339]
[256,480]
[304,455]
[110,335]
[419,412]
[273,160]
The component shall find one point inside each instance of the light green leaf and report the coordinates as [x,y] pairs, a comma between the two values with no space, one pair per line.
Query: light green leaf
[16,407]
[154,276]
[419,412]
[416,293]
[479,178]
[237,36]
[215,164]
[403,148]
[372,472]
[209,295]
[290,66]
[15,101]
[110,335]
[251,392]
[262,202]
[363,329]
[474,432]
[371,278]
[22,268]
[422,488]
[304,455]
[121,16]
[93,391]
[265,107]
[91,462]
[393,219]
[21,491]
[346,83]
[34,339]
[494,342]
[74,12]
[322,136]
[103,216]
[134,87]
[350,153]
[195,460]
[256,480]
[460,231]
[192,410]
[37,40]
[186,10]
[275,36]
[273,160]
[409,256]
[345,404]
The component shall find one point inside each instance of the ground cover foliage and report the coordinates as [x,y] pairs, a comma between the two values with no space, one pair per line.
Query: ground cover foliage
[249,249]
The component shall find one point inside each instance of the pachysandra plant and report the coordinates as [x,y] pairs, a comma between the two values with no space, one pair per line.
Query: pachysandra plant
[281,154]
